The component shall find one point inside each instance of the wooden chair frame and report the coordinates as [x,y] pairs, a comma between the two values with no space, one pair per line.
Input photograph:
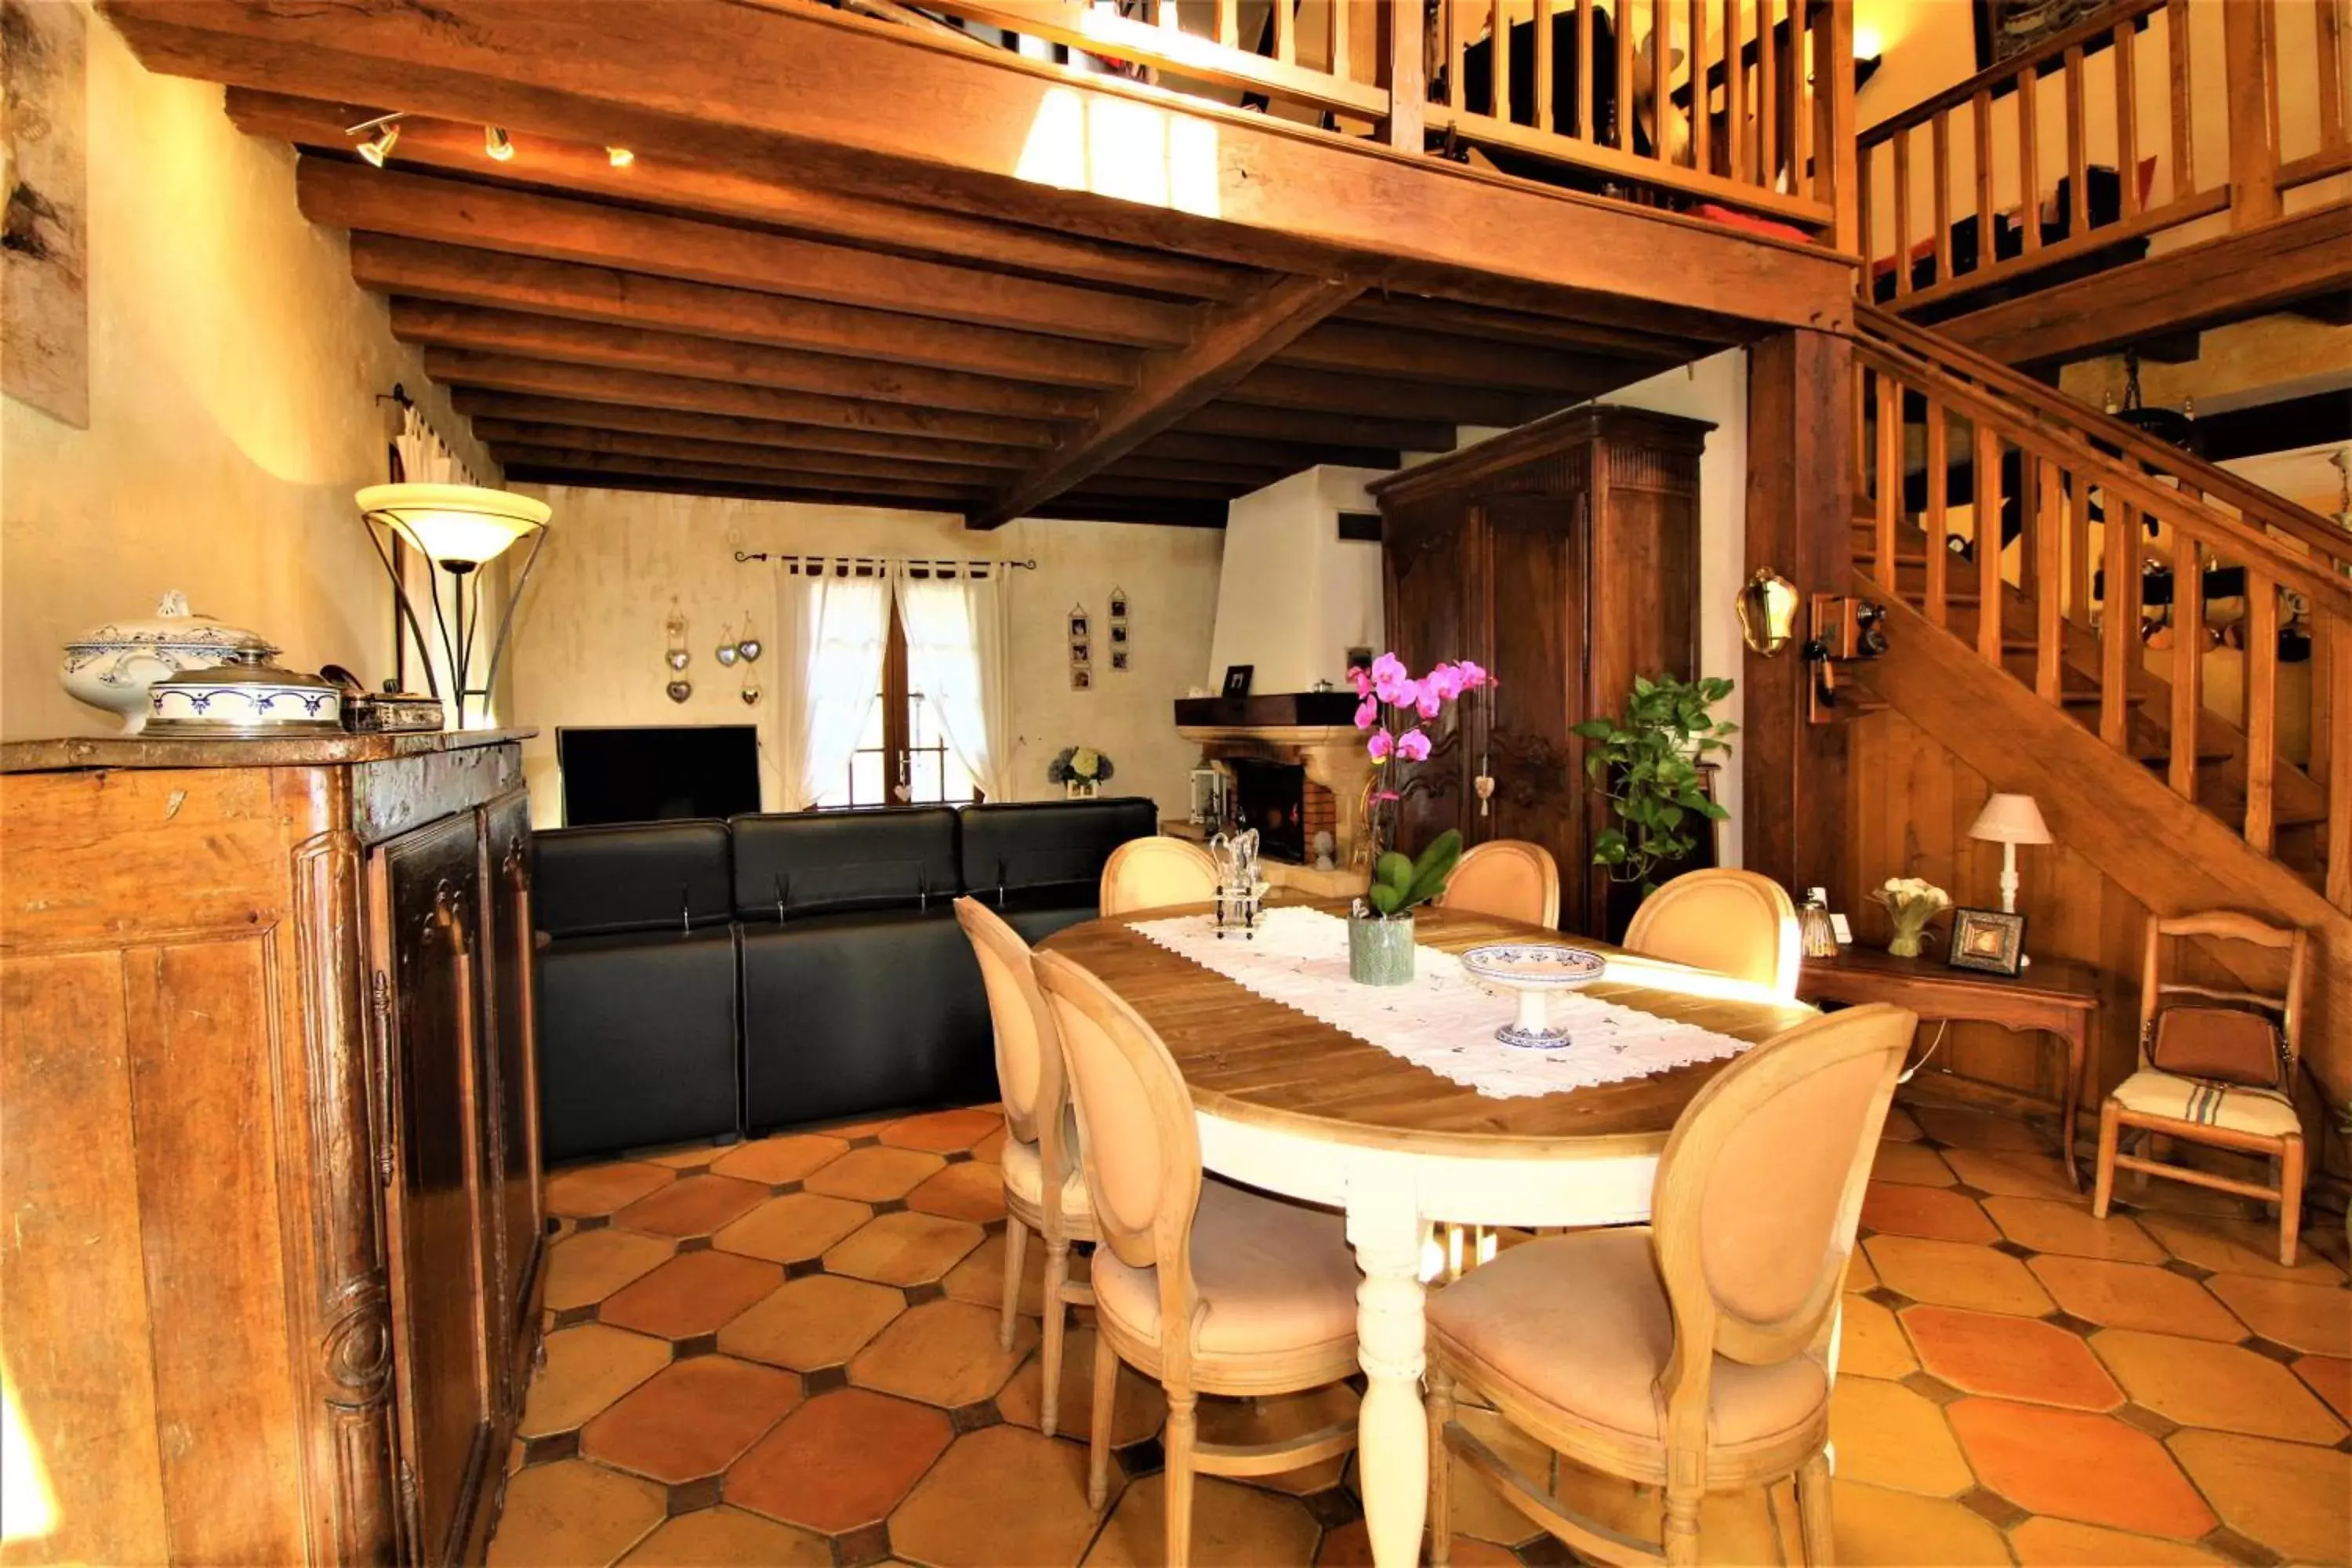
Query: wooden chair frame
[1547,870]
[1165,1243]
[1156,847]
[1688,1466]
[1788,956]
[2286,1154]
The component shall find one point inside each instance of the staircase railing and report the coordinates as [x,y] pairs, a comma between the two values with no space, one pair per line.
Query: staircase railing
[2084,542]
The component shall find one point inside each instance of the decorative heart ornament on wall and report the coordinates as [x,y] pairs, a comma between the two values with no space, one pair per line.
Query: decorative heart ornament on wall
[680,691]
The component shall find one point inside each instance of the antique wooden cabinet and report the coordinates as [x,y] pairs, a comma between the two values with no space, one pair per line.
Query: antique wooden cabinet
[269,1142]
[1563,556]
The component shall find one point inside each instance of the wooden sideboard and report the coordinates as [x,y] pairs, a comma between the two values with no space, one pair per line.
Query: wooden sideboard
[269,1142]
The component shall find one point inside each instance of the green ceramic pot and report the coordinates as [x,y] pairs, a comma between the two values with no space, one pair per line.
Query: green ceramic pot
[1379,951]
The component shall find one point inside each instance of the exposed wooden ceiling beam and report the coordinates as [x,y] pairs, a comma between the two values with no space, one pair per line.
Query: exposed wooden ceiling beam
[1230,338]
[434,322]
[1605,326]
[808,209]
[1359,349]
[506,433]
[1305,427]
[1331,391]
[731,473]
[913,451]
[1284,457]
[694,485]
[1234,476]
[469,277]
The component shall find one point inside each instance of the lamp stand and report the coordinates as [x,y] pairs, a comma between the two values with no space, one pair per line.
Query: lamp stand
[2009,879]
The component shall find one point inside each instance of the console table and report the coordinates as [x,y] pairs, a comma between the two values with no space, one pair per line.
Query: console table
[2056,998]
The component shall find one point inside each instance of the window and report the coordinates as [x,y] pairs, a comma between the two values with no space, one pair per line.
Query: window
[902,759]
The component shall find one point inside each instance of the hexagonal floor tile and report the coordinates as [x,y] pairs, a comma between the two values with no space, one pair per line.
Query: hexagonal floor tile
[1478,1508]
[1915,1163]
[693,1293]
[2013,1358]
[1733,1527]
[1003,1494]
[1956,1274]
[691,1156]
[2316,1317]
[1278,1417]
[966,1190]
[2062,1542]
[2048,1224]
[1900,1128]
[2237,1247]
[588,1367]
[2135,1295]
[2330,1377]
[1137,1411]
[727,1538]
[842,1460]
[874,1175]
[585,1268]
[1859,1274]
[2227,1387]
[571,1512]
[2075,1464]
[943,1353]
[693,1417]
[943,1131]
[1230,1524]
[2012,1173]
[691,1206]
[1871,1343]
[819,1320]
[787,1157]
[903,1249]
[793,1227]
[980,1276]
[1895,1208]
[2294,1499]
[1964,1129]
[1876,1525]
[587,1191]
[1888,1435]
[1351,1546]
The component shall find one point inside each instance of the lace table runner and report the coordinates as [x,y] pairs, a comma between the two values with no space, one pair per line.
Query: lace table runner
[1444,1020]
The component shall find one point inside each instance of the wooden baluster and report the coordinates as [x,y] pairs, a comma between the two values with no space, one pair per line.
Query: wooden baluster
[2339,782]
[1408,90]
[1840,127]
[1939,479]
[2261,708]
[1864,208]
[1901,150]
[1768,94]
[2049,524]
[2119,643]
[1339,38]
[2188,659]
[2246,26]
[2029,158]
[1286,31]
[2078,550]
[1988,510]
[1980,107]
[1229,22]
[1661,79]
[1735,89]
[2078,153]
[1164,14]
[2127,117]
[1804,45]
[2324,699]
[1940,169]
[2184,141]
[1702,107]
[1864,400]
[2328,55]
[1586,69]
[1499,62]
[1624,18]
[1890,479]
[1544,66]
[1456,48]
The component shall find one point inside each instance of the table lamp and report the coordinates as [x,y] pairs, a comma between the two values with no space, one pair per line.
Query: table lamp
[2010,820]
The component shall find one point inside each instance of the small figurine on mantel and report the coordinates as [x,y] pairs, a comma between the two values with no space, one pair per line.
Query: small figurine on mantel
[1325,848]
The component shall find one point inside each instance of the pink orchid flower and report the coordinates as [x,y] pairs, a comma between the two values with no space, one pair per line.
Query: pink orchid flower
[1473,676]
[1361,680]
[1385,795]
[1380,745]
[1390,680]
[1412,746]
[1446,680]
[1368,714]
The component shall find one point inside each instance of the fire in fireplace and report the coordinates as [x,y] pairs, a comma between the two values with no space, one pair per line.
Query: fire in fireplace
[1271,797]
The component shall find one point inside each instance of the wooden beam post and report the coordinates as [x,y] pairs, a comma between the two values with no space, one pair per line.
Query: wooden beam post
[2247,56]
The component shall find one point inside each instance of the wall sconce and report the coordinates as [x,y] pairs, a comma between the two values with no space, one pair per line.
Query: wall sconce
[1846,630]
[459,529]
[1767,607]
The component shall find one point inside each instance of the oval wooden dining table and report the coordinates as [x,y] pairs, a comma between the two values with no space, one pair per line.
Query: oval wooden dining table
[1289,1104]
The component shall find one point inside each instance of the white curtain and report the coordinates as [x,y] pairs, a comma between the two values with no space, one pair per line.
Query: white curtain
[831,628]
[956,656]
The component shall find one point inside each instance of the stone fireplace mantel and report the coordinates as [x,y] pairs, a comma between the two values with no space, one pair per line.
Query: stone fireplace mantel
[1332,756]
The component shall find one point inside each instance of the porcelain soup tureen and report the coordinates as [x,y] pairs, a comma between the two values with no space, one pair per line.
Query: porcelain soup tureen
[112,666]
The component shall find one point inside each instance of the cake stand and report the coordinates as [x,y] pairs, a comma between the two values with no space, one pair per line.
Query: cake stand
[1533,970]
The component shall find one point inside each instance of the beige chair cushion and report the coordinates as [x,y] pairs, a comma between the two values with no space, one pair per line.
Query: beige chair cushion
[1507,879]
[1155,873]
[1025,1177]
[1273,1278]
[1580,1324]
[2265,1112]
[1732,922]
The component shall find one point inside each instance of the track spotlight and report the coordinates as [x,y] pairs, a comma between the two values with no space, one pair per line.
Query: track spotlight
[620,156]
[377,148]
[498,144]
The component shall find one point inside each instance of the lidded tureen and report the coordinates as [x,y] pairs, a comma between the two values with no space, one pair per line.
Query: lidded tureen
[245,696]
[112,666]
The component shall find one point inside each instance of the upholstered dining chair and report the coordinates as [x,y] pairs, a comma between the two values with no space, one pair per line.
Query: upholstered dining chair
[1734,922]
[1691,1354]
[1045,1195]
[1209,1288]
[1153,873]
[1509,878]
[2216,1067]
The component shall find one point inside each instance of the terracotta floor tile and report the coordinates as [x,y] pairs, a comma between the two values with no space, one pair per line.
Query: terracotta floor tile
[2062,1543]
[841,1460]
[589,1190]
[2079,1465]
[1877,1525]
[1233,1526]
[1980,1130]
[2067,1226]
[1889,1436]
[691,1206]
[1276,1418]
[2013,1358]
[2237,1247]
[817,1320]
[1900,1128]
[943,1353]
[967,1190]
[2317,1318]
[874,1175]
[588,1367]
[571,1512]
[990,1148]
[1136,1414]
[1956,1274]
[788,1157]
[1478,1509]
[586,1267]
[693,1293]
[1913,1163]
[903,1249]
[693,1417]
[2200,1384]
[943,1131]
[793,1227]
[689,1156]
[2294,1499]
[2012,1173]
[980,1276]
[1871,1343]
[1000,1495]
[1351,1546]
[730,1538]
[1734,1528]
[1900,1209]
[2135,1295]
[1859,1274]
[2331,1378]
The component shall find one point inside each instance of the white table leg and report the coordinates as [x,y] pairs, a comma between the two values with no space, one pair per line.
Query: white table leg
[1392,1434]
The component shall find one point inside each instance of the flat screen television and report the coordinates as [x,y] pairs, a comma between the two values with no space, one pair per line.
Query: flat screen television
[658,773]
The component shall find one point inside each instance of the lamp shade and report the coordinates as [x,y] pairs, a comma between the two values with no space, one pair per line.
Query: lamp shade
[1767,608]
[460,526]
[2010,819]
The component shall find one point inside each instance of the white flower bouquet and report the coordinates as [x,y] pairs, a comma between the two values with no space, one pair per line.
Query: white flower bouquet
[1913,902]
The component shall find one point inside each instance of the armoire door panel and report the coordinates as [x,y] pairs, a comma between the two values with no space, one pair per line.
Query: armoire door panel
[507,963]
[1532,601]
[1427,585]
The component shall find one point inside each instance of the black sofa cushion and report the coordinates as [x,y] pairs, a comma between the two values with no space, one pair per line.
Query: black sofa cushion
[651,876]
[805,863]
[1048,854]
[637,1040]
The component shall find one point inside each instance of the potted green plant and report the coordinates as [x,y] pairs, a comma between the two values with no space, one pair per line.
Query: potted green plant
[1648,762]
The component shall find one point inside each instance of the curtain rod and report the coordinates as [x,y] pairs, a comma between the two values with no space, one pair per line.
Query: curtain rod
[743,556]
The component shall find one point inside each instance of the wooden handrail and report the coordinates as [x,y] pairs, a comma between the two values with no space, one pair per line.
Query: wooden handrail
[2001,76]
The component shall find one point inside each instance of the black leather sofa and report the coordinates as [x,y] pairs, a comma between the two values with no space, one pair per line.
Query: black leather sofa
[702,979]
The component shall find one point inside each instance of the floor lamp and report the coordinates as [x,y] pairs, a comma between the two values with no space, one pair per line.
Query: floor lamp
[460,529]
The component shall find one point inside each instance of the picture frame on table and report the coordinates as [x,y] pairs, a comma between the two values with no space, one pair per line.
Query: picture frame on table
[1988,940]
[1237,678]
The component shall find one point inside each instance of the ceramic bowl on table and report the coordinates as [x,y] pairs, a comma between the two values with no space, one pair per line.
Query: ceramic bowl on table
[1533,971]
[244,699]
[112,666]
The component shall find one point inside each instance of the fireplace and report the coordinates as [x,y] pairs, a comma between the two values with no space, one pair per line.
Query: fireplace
[1272,797]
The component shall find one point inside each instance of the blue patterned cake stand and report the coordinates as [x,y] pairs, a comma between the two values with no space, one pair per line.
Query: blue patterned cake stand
[1534,969]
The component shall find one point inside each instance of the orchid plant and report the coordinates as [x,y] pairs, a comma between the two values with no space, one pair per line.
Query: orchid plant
[1392,709]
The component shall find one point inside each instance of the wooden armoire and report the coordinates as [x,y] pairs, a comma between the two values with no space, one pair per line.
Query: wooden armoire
[1563,556]
[268,1141]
